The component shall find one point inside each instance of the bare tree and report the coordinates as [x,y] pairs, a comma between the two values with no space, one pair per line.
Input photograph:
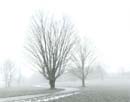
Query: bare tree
[8,72]
[51,45]
[19,77]
[99,69]
[82,61]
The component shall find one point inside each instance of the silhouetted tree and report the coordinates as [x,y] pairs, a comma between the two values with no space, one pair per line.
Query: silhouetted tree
[19,77]
[8,72]
[101,71]
[50,45]
[82,61]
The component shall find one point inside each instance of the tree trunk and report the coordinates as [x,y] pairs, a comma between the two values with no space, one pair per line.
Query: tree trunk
[52,83]
[83,82]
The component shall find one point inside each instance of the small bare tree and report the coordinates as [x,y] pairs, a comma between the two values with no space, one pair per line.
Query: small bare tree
[51,45]
[19,77]
[100,70]
[8,72]
[82,61]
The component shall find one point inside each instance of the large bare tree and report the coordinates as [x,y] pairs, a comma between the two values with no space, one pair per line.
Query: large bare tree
[8,72]
[82,61]
[50,45]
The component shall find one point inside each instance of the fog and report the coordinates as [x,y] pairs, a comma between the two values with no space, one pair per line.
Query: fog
[104,23]
[77,48]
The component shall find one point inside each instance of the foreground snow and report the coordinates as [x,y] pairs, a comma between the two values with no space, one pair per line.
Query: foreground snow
[42,97]
[95,91]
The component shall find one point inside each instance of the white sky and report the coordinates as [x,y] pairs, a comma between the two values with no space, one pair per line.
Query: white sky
[105,22]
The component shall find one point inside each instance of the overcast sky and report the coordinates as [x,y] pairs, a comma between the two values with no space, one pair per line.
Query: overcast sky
[105,22]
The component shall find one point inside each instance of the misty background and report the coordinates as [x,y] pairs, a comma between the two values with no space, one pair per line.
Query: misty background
[105,23]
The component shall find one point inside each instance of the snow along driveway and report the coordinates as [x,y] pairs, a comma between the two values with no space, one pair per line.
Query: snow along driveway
[42,97]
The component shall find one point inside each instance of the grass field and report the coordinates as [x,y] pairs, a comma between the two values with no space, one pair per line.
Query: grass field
[95,91]
[102,91]
[100,94]
[23,91]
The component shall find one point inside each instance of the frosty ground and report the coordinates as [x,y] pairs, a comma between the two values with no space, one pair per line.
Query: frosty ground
[95,91]
[101,93]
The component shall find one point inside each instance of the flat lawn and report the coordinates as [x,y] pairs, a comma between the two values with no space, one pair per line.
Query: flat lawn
[22,91]
[100,94]
[95,91]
